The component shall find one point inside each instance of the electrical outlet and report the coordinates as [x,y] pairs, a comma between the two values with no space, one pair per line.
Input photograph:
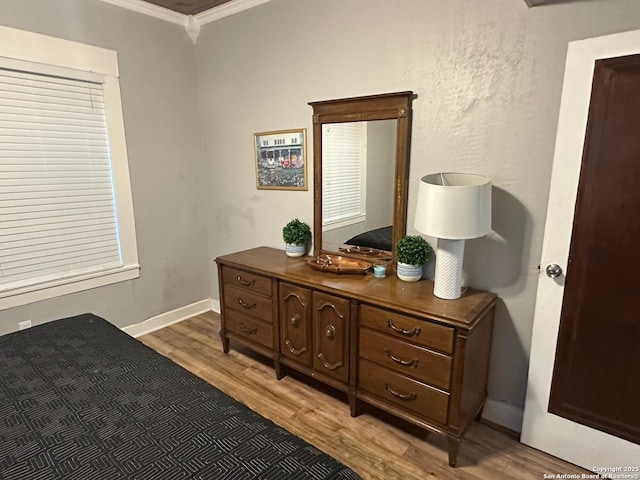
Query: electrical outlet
[25,324]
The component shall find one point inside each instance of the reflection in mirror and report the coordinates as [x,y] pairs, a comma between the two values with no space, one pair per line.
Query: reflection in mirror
[358,165]
[361,169]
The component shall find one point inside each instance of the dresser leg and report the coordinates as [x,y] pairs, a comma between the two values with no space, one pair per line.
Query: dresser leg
[454,446]
[225,342]
[278,368]
[353,404]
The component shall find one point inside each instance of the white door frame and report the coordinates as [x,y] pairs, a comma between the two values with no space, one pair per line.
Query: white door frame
[558,436]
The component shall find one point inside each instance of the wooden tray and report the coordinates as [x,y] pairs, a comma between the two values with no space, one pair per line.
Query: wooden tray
[338,264]
[367,252]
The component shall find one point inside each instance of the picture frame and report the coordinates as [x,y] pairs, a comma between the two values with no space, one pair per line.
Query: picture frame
[281,159]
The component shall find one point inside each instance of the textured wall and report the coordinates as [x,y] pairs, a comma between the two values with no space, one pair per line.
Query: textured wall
[157,80]
[487,75]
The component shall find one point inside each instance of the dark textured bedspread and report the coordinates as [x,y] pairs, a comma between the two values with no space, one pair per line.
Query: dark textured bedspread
[79,399]
[380,238]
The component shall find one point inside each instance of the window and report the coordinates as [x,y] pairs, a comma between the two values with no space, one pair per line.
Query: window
[344,154]
[66,217]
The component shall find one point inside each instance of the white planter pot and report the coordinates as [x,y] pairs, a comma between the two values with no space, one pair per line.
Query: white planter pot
[409,273]
[293,250]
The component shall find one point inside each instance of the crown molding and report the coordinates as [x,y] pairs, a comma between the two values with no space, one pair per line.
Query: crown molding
[151,10]
[191,23]
[192,27]
[226,10]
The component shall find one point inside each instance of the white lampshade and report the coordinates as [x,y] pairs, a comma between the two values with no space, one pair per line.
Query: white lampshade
[455,206]
[452,207]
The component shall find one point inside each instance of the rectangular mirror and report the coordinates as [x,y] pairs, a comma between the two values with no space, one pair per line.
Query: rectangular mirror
[361,164]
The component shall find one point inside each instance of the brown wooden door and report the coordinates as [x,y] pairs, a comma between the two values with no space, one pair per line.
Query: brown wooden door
[331,335]
[596,376]
[295,323]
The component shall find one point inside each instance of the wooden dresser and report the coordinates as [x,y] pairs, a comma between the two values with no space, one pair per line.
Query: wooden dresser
[382,341]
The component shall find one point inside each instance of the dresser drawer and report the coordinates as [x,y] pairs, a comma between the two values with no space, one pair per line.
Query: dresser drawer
[411,360]
[404,392]
[421,332]
[246,280]
[249,328]
[248,303]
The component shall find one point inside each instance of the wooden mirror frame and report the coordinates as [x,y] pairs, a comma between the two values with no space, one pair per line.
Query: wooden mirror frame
[386,106]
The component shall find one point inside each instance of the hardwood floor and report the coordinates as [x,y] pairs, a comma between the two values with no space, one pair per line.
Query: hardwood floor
[375,445]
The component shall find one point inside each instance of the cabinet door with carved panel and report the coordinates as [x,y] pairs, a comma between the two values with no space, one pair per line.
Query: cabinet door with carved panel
[295,327]
[331,317]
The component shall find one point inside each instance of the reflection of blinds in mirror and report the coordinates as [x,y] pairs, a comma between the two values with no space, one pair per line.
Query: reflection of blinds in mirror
[343,173]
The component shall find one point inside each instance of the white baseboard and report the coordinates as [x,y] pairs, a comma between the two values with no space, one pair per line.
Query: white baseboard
[215,305]
[503,414]
[174,316]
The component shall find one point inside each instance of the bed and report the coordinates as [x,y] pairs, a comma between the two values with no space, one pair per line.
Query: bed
[380,238]
[80,399]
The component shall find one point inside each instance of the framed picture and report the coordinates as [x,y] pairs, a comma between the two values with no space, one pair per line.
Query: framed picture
[281,159]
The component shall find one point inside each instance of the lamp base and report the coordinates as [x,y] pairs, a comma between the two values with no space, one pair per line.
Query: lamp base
[448,277]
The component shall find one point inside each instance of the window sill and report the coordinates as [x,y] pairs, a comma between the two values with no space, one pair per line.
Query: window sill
[36,293]
[344,223]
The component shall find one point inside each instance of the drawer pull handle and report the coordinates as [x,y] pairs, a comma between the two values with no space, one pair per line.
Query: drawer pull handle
[248,306]
[294,350]
[406,363]
[250,331]
[327,365]
[401,331]
[295,320]
[330,331]
[401,396]
[246,283]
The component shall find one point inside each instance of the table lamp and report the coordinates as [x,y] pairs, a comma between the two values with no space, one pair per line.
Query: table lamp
[452,207]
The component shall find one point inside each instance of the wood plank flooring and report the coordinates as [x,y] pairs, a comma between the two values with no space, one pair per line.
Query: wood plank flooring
[374,444]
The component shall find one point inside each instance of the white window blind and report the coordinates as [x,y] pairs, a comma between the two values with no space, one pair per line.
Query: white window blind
[343,173]
[57,205]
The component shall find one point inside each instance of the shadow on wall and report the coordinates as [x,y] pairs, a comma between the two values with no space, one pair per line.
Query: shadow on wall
[509,361]
[497,260]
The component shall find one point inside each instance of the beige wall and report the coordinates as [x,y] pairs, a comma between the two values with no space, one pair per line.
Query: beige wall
[487,75]
[157,79]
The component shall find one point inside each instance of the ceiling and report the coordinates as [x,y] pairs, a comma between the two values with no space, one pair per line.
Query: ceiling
[193,7]
[188,7]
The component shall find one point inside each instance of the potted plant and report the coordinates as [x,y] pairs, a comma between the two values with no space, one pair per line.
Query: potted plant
[296,235]
[412,253]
